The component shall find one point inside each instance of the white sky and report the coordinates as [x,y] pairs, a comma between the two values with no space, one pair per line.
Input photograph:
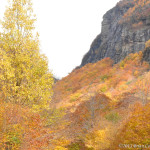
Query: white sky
[67,29]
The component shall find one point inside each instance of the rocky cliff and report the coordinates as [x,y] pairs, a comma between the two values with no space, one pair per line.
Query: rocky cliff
[117,39]
[146,54]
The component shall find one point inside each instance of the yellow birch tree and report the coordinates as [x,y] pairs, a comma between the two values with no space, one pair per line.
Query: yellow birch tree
[32,81]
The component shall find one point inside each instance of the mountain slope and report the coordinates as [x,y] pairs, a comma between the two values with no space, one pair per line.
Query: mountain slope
[108,96]
[125,29]
[98,99]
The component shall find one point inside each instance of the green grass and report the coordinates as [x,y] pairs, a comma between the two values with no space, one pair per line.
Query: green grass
[113,116]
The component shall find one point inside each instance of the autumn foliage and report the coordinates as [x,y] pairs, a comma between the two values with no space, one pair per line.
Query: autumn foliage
[91,108]
[20,128]
[25,82]
[101,98]
[139,10]
[136,129]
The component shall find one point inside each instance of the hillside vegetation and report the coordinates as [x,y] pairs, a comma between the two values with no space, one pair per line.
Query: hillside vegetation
[99,106]
[136,14]
[25,82]
[104,102]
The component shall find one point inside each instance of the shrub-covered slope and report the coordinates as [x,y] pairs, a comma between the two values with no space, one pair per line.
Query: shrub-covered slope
[99,101]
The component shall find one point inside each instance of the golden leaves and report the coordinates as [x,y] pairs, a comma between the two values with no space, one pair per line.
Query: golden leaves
[32,81]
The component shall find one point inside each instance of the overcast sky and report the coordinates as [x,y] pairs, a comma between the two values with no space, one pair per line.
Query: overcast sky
[67,29]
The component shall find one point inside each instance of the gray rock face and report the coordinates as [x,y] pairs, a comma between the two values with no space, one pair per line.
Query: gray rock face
[117,40]
[146,54]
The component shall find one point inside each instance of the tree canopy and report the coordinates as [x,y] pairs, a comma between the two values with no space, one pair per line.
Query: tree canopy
[31,81]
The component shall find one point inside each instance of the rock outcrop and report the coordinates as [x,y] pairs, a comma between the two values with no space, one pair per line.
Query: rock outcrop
[146,54]
[116,39]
